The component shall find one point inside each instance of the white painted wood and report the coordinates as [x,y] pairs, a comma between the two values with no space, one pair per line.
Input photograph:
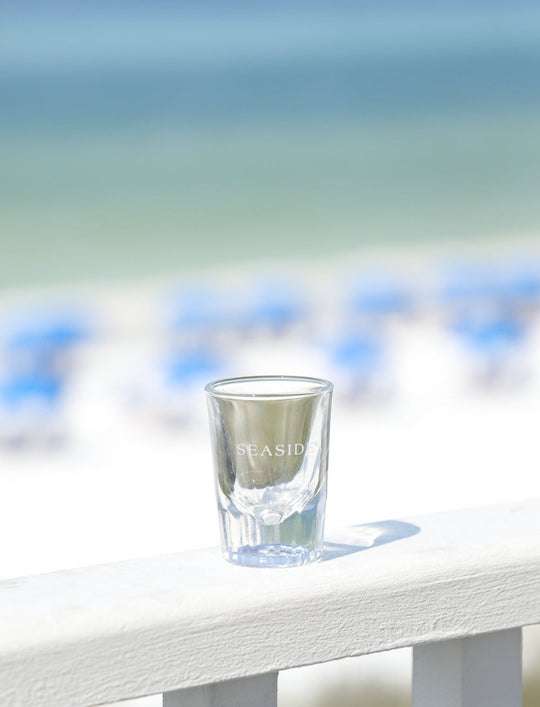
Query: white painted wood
[257,691]
[480,671]
[112,632]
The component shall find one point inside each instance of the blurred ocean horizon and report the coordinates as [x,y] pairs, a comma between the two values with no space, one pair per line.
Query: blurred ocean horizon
[143,140]
[139,141]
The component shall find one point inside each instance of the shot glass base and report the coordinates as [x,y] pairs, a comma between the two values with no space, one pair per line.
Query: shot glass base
[274,555]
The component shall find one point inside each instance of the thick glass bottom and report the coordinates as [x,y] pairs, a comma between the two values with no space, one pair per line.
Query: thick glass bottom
[296,541]
[274,555]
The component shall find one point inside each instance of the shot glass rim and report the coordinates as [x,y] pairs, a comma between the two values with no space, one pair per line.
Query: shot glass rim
[321,386]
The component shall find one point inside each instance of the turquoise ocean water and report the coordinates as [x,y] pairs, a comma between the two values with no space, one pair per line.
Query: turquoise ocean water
[139,140]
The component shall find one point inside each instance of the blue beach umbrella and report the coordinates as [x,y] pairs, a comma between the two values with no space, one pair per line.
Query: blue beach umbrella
[37,340]
[272,305]
[490,334]
[185,368]
[20,392]
[381,296]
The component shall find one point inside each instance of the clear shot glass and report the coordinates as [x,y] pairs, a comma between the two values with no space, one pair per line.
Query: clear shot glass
[270,447]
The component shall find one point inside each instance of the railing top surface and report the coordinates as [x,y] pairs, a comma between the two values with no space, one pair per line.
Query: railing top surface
[109,632]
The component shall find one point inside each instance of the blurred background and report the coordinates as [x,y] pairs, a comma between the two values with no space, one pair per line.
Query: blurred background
[189,190]
[146,138]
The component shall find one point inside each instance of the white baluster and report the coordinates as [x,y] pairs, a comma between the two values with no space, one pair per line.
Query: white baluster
[258,691]
[480,671]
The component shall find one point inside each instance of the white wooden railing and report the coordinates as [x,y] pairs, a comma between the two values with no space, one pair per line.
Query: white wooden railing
[458,587]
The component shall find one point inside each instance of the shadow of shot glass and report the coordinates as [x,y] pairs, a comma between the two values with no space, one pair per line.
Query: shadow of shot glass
[357,538]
